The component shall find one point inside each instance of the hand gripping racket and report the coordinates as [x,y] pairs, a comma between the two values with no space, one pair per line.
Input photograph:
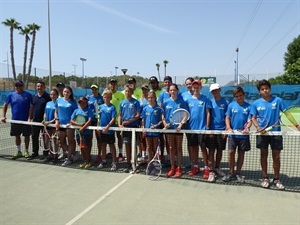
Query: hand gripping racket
[153,170]
[155,117]
[262,121]
[179,116]
[81,120]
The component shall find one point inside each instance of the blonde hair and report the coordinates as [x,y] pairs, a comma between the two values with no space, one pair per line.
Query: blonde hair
[107,92]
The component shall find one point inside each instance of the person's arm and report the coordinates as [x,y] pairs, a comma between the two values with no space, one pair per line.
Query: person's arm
[30,113]
[227,122]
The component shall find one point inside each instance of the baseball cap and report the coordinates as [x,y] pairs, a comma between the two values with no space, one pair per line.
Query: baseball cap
[153,79]
[113,80]
[82,99]
[214,87]
[60,84]
[145,86]
[196,82]
[168,78]
[131,79]
[95,86]
[19,82]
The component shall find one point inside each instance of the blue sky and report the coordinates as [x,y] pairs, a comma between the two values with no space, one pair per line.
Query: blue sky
[198,38]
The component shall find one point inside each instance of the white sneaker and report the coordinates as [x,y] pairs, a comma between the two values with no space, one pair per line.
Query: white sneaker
[240,178]
[278,184]
[211,177]
[113,166]
[67,162]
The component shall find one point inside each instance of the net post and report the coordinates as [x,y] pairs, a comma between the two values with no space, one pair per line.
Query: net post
[133,149]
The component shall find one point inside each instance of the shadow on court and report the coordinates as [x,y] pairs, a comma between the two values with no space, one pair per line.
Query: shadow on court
[33,193]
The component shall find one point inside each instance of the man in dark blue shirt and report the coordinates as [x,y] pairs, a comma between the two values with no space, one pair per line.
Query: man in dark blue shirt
[39,101]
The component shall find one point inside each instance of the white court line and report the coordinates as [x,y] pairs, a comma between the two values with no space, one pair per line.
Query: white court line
[98,201]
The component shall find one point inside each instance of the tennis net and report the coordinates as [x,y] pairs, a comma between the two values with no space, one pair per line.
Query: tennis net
[290,156]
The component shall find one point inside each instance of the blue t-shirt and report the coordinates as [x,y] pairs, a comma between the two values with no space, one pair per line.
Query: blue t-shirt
[269,109]
[218,111]
[169,106]
[129,109]
[152,116]
[197,109]
[107,113]
[94,104]
[186,95]
[65,110]
[143,103]
[87,113]
[239,115]
[20,104]
[49,110]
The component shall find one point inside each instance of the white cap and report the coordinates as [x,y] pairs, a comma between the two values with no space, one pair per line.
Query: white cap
[214,87]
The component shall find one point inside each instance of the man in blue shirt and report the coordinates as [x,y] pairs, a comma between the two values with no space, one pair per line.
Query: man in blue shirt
[20,102]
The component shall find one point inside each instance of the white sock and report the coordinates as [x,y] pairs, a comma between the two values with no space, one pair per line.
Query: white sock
[18,147]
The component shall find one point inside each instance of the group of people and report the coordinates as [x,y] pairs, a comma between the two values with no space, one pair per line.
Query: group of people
[144,108]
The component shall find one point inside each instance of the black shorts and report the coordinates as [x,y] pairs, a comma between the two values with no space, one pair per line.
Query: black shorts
[17,129]
[216,142]
[86,140]
[241,144]
[263,142]
[107,138]
[195,140]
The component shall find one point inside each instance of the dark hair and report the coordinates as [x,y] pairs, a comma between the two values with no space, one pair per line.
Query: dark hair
[263,82]
[168,78]
[55,90]
[40,82]
[189,78]
[237,90]
[175,85]
[72,95]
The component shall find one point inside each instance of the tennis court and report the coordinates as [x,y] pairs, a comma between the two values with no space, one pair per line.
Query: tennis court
[34,193]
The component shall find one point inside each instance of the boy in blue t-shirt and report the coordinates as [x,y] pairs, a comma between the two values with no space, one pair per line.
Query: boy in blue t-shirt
[86,135]
[129,116]
[237,115]
[108,114]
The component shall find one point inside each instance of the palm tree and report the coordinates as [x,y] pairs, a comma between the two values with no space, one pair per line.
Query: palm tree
[33,29]
[12,24]
[158,73]
[25,31]
[165,64]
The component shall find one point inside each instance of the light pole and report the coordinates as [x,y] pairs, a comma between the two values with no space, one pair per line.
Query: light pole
[116,68]
[234,72]
[49,48]
[74,69]
[7,64]
[83,60]
[124,72]
[237,66]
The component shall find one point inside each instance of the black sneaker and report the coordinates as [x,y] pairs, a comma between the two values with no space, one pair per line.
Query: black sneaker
[128,168]
[48,159]
[33,156]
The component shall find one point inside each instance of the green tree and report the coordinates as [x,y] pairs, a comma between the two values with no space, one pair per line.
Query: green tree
[33,29]
[13,25]
[293,53]
[25,31]
[158,73]
[165,64]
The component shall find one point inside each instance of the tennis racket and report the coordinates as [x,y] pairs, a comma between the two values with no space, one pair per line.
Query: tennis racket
[80,119]
[289,118]
[44,139]
[153,170]
[179,116]
[262,121]
[54,144]
[155,117]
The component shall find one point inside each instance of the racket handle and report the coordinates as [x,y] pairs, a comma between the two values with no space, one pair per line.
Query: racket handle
[269,128]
